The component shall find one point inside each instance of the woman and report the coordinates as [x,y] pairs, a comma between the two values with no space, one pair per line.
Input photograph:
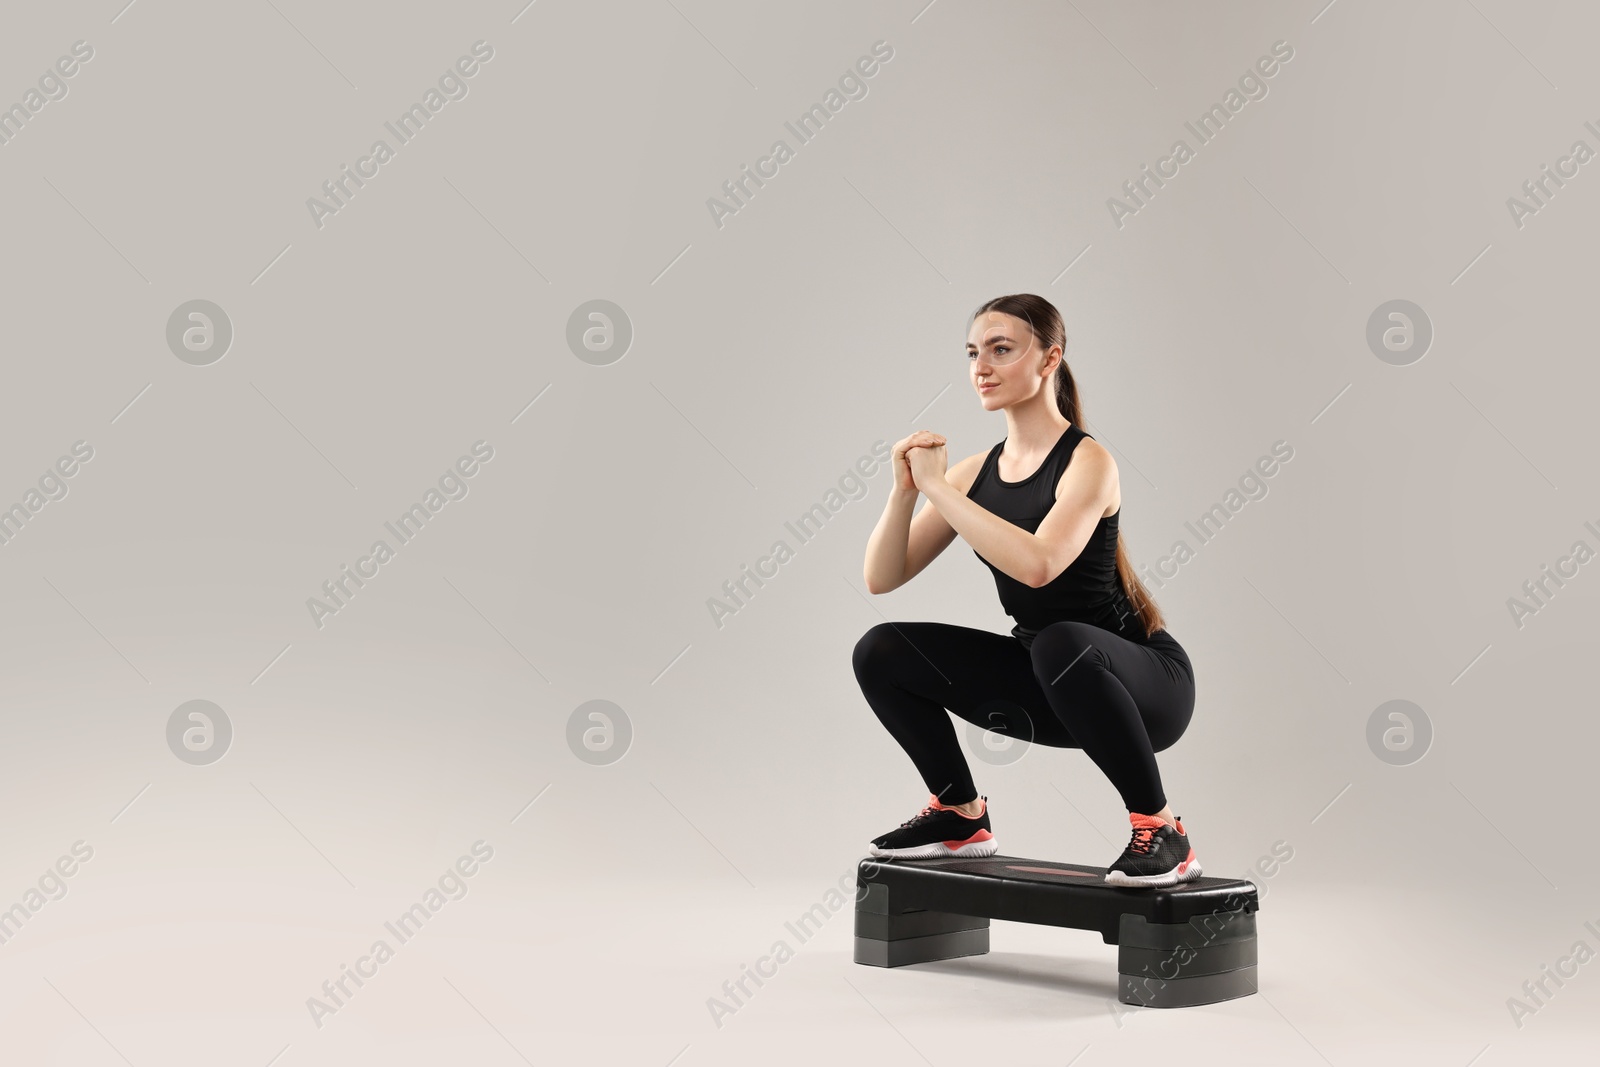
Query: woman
[1089,663]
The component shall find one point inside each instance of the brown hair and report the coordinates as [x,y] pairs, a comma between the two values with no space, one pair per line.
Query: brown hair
[1045,322]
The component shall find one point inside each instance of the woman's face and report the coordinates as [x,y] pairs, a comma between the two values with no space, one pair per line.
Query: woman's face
[1004,359]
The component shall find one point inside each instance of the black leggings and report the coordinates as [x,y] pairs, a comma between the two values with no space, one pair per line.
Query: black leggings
[1077,686]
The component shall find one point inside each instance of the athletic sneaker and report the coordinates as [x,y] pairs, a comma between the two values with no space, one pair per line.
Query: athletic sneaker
[938,832]
[1157,855]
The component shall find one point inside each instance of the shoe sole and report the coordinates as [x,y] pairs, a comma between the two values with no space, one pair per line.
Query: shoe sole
[938,850]
[1180,873]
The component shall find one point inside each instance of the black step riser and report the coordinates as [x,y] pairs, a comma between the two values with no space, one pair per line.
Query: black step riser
[1178,946]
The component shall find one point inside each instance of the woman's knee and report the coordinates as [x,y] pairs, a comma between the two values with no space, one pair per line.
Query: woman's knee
[1176,715]
[876,650]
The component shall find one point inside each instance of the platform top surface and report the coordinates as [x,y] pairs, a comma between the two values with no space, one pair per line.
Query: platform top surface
[1046,872]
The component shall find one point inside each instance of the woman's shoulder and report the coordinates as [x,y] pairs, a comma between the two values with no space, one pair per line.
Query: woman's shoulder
[1096,455]
[1091,461]
[1086,445]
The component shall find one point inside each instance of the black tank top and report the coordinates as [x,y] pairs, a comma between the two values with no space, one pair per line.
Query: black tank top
[1088,590]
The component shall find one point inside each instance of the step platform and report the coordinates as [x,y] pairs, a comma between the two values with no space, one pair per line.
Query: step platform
[1188,944]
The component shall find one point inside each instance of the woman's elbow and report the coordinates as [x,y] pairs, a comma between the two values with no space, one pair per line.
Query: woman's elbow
[1044,572]
[875,587]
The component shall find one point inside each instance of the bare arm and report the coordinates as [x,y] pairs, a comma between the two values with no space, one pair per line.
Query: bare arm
[1087,488]
[902,545]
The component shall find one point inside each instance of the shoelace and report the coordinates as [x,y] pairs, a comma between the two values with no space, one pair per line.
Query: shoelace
[1142,844]
[919,816]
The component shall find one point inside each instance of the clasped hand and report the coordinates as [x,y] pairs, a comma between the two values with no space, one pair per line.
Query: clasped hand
[918,460]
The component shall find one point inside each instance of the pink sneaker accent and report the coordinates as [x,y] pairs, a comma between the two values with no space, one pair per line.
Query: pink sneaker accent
[933,802]
[981,835]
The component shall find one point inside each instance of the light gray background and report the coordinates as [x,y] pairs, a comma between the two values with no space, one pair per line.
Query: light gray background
[768,356]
